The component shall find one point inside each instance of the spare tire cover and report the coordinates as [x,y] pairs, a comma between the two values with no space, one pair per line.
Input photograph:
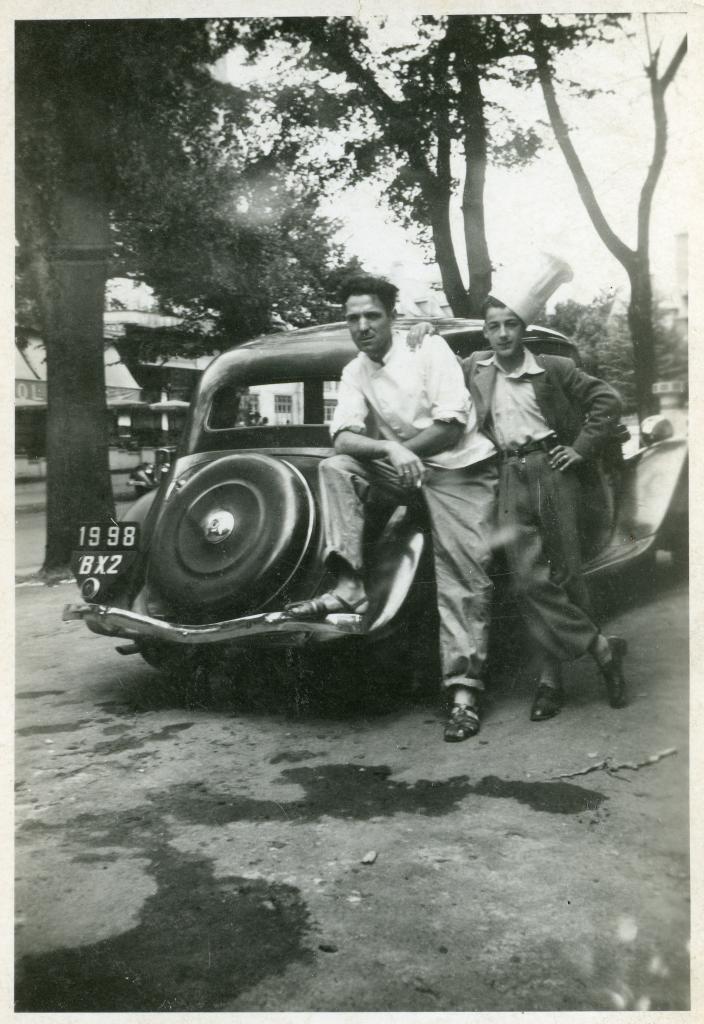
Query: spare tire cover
[232,537]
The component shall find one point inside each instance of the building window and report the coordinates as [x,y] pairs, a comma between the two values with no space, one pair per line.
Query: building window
[330,387]
[329,409]
[283,409]
[253,402]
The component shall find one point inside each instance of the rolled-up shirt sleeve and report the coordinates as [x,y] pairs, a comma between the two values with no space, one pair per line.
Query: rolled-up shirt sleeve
[351,410]
[444,382]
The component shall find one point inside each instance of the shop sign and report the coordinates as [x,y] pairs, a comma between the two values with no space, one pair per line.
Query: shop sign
[31,391]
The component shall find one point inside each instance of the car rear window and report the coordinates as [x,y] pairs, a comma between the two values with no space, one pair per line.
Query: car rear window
[277,404]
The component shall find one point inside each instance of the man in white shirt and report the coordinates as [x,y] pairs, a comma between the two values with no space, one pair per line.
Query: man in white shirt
[404,421]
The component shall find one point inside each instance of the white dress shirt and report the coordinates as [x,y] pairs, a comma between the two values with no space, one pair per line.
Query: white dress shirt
[514,407]
[406,393]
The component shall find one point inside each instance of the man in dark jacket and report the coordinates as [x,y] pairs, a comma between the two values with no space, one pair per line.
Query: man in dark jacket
[547,418]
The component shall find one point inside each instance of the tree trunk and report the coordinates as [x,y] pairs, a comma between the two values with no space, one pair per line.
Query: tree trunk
[452,282]
[78,477]
[474,142]
[635,262]
[478,259]
[640,325]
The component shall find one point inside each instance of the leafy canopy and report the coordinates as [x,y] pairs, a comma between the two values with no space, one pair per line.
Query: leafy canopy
[202,207]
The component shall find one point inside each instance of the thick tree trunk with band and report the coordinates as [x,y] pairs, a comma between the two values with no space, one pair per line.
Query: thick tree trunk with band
[78,477]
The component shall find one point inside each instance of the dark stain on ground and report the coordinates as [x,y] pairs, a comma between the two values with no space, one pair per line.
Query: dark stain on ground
[135,742]
[116,708]
[344,791]
[116,730]
[96,858]
[293,756]
[350,791]
[39,693]
[551,797]
[200,942]
[28,828]
[43,730]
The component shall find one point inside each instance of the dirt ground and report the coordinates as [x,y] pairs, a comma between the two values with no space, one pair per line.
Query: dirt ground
[178,852]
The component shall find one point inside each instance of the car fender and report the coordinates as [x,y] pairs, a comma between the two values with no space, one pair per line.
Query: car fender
[143,512]
[394,564]
[652,495]
[139,510]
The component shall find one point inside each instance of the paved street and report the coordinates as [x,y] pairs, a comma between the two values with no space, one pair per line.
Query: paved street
[30,538]
[177,851]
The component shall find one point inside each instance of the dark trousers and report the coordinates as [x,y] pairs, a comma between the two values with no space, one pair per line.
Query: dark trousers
[538,527]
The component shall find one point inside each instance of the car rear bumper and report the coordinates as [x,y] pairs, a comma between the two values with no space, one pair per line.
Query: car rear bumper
[122,623]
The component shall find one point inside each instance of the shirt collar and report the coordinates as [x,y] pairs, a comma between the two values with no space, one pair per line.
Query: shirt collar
[397,338]
[528,366]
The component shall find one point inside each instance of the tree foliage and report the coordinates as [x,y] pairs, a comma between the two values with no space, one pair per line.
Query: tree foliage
[600,329]
[132,156]
[232,256]
[412,115]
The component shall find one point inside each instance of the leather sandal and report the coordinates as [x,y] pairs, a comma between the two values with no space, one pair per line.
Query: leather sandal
[463,722]
[547,703]
[318,608]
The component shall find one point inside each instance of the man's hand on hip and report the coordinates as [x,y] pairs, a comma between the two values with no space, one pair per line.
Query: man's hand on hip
[410,469]
[563,457]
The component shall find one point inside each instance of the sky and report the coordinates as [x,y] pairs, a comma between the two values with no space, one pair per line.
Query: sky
[537,207]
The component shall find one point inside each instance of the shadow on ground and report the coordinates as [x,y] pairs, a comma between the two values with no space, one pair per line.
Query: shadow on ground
[199,943]
[355,679]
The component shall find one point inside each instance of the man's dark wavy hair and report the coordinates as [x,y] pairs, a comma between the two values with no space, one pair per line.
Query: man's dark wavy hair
[367,284]
[490,302]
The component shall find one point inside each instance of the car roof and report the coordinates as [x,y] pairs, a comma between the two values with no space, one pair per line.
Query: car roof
[323,351]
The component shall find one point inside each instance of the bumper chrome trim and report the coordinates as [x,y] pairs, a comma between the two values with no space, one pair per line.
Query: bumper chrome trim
[120,622]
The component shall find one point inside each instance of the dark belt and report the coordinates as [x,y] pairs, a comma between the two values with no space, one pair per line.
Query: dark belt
[545,444]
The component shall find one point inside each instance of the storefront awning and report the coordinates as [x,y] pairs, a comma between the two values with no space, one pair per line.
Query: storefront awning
[30,378]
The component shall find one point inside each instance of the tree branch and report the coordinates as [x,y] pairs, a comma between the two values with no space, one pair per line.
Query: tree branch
[333,48]
[647,38]
[442,125]
[625,255]
[674,64]
[395,118]
[658,87]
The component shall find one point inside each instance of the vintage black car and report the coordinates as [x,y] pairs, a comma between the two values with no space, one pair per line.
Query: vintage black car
[207,561]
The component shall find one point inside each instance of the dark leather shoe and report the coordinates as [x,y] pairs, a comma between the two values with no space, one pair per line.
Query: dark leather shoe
[546,704]
[613,672]
[463,722]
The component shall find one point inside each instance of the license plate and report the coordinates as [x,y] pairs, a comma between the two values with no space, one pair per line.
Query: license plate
[98,563]
[111,536]
[104,550]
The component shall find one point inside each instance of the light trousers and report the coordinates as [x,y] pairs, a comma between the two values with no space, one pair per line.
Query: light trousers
[461,505]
